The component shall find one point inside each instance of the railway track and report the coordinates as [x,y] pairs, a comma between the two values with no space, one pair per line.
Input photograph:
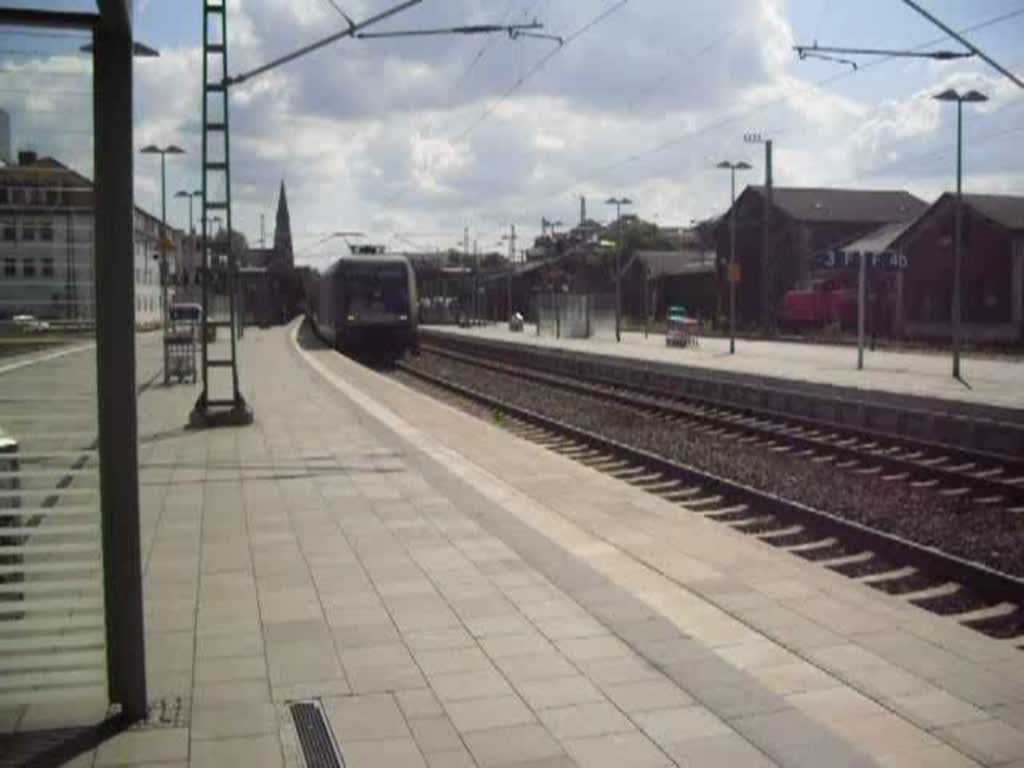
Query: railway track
[989,479]
[982,598]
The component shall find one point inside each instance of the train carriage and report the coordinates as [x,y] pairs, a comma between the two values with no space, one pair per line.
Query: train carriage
[366,304]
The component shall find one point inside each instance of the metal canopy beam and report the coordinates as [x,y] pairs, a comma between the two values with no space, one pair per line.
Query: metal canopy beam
[31,17]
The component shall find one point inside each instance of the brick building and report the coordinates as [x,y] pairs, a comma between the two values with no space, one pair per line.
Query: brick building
[992,271]
[804,221]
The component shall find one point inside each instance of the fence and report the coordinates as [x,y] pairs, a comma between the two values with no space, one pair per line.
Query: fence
[574,316]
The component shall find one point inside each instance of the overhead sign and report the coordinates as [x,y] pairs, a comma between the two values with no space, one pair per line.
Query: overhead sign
[890,261]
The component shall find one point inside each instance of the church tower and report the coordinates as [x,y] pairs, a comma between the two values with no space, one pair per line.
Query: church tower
[283,231]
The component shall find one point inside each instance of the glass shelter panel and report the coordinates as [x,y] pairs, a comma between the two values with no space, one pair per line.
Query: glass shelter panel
[53,655]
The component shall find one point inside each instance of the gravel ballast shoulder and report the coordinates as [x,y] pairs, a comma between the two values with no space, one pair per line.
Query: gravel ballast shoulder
[986,534]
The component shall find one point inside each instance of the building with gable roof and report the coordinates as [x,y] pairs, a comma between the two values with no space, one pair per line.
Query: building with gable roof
[804,221]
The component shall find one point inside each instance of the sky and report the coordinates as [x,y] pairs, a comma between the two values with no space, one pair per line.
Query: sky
[413,140]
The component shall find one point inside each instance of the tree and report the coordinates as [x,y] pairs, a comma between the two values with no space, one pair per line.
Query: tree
[239,245]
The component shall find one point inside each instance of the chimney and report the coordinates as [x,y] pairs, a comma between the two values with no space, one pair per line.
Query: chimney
[27,157]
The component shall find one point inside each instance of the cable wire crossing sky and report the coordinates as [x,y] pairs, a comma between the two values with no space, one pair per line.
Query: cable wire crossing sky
[432,134]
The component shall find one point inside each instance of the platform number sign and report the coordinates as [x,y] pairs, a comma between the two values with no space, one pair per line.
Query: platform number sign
[887,261]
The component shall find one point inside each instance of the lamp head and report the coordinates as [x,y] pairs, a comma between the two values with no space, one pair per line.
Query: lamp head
[743,166]
[975,96]
[725,165]
[174,149]
[150,149]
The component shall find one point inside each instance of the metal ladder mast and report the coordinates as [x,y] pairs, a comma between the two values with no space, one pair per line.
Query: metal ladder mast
[209,410]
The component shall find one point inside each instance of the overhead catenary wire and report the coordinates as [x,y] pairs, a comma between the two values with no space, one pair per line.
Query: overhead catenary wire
[883,169]
[738,115]
[342,13]
[691,56]
[958,36]
[520,82]
[537,67]
[481,51]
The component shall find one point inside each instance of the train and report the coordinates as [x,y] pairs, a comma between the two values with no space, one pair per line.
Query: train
[366,304]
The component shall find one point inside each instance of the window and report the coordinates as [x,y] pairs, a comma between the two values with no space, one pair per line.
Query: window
[53,196]
[28,267]
[47,270]
[5,195]
[28,230]
[10,230]
[10,267]
[46,230]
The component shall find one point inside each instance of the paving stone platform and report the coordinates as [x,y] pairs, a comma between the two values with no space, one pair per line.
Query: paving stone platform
[455,596]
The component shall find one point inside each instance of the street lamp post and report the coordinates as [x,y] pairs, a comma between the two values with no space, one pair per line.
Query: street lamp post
[190,196]
[618,202]
[732,168]
[170,149]
[510,238]
[181,193]
[959,98]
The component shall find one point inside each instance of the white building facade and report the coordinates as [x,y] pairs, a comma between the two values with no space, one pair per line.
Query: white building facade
[46,246]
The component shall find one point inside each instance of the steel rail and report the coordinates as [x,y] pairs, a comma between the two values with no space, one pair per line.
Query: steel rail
[1012,464]
[987,582]
[669,405]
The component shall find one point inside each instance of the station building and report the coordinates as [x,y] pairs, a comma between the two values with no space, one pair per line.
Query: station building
[800,222]
[46,245]
[992,269]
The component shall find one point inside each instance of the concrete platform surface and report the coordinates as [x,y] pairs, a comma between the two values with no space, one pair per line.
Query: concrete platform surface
[455,596]
[987,381]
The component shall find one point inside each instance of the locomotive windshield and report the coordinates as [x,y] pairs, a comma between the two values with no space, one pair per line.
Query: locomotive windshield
[377,289]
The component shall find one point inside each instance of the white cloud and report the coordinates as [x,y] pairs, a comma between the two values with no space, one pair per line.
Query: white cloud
[369,134]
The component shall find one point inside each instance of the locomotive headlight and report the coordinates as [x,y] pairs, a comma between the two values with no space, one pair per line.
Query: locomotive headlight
[351,318]
[403,317]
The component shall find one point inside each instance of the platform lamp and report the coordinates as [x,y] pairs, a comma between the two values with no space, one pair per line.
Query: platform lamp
[971,97]
[732,168]
[170,149]
[181,193]
[618,202]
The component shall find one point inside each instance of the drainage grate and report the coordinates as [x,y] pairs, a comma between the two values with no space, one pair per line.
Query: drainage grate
[318,745]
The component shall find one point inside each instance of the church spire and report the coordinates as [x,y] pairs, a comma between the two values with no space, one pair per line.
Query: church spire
[283,230]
